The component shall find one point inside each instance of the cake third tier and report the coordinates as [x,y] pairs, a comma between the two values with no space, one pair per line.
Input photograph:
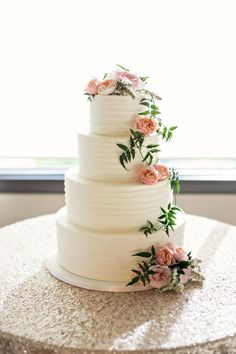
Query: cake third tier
[113,206]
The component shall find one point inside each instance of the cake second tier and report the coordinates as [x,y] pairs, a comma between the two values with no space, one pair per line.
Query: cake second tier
[99,158]
[113,206]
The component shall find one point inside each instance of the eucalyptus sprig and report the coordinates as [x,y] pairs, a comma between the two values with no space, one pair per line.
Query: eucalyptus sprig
[136,144]
[166,133]
[167,220]
[174,180]
[152,110]
[89,98]
[144,272]
[122,67]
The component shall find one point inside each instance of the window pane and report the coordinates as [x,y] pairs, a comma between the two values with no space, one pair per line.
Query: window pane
[49,50]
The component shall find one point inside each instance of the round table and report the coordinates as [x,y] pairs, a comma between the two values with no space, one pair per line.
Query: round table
[40,314]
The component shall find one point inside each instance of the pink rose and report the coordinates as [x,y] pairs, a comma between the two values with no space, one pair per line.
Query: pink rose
[107,87]
[184,278]
[164,255]
[148,175]
[162,277]
[127,77]
[179,254]
[92,87]
[163,171]
[145,125]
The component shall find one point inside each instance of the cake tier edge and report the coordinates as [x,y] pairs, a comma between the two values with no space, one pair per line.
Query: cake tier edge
[113,206]
[107,256]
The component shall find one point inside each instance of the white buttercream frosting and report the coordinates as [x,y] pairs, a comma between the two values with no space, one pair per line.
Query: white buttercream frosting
[113,206]
[106,255]
[99,158]
[113,115]
[105,204]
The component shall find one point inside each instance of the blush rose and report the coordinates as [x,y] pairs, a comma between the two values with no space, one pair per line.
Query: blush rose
[145,125]
[164,255]
[162,170]
[184,278]
[148,175]
[92,87]
[127,77]
[162,277]
[107,87]
[179,254]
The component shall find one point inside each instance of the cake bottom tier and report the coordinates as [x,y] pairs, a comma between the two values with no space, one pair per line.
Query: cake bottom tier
[107,256]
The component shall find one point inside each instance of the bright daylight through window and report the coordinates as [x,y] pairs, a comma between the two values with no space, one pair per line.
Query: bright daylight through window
[50,48]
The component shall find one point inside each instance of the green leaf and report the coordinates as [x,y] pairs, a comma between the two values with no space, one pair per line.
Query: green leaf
[173,128]
[150,146]
[136,271]
[144,113]
[142,267]
[145,104]
[145,264]
[184,264]
[131,142]
[153,251]
[150,271]
[144,100]
[150,159]
[164,132]
[128,154]
[133,153]
[143,228]
[176,208]
[146,157]
[122,161]
[163,210]
[161,217]
[122,67]
[133,281]
[142,278]
[144,78]
[143,254]
[177,187]
[154,113]
[123,147]
[124,157]
[105,75]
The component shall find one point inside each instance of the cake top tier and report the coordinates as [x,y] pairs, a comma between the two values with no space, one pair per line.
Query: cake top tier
[117,100]
[113,115]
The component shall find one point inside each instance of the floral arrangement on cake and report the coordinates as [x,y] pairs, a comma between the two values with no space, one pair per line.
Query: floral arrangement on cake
[167,267]
[119,82]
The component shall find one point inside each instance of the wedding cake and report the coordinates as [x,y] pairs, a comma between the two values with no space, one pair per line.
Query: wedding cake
[120,224]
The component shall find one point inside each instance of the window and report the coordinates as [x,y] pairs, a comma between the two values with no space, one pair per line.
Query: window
[49,50]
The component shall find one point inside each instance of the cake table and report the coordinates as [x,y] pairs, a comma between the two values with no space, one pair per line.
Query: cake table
[40,314]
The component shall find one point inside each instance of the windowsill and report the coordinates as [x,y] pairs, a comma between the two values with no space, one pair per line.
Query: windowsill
[52,181]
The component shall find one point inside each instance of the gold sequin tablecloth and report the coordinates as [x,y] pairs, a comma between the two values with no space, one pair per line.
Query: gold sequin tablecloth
[39,314]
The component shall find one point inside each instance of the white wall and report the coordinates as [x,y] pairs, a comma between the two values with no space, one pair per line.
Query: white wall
[14,207]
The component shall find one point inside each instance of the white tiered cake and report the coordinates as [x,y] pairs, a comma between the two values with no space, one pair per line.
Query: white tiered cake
[118,186]
[98,231]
